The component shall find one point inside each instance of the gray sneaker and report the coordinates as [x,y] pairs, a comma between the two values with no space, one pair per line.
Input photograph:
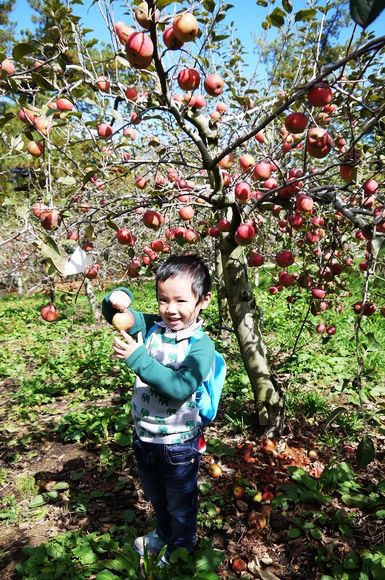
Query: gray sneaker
[150,541]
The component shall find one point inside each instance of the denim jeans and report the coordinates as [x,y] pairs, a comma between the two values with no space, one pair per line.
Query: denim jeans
[169,477]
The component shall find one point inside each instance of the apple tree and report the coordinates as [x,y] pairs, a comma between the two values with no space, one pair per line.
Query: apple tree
[162,141]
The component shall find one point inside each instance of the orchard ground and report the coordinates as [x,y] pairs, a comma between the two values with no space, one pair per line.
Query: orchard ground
[299,506]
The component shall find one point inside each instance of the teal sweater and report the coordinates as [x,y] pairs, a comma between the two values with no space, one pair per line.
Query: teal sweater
[163,404]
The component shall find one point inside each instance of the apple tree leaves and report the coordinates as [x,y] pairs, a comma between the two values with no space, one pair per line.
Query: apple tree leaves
[365,11]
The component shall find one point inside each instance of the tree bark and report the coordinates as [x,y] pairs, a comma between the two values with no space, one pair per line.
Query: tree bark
[95,308]
[247,322]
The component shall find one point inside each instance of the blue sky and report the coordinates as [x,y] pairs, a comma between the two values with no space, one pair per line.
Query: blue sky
[246,15]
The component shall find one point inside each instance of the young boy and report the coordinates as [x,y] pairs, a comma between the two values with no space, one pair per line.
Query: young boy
[169,369]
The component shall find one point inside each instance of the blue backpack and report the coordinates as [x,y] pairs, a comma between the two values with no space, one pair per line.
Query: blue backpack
[208,394]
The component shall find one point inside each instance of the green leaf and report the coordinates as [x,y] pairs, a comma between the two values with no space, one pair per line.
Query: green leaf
[6,118]
[42,82]
[364,12]
[365,452]
[106,575]
[122,439]
[85,554]
[303,15]
[316,533]
[50,250]
[287,5]
[163,3]
[333,415]
[23,49]
[293,533]
[209,5]
[277,17]
[112,225]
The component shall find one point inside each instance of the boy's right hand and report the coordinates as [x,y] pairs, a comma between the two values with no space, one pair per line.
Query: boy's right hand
[120,300]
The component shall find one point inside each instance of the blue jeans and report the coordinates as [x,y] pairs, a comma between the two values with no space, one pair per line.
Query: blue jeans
[169,477]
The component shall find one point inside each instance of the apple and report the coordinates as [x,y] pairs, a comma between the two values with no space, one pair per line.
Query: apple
[7,66]
[35,148]
[319,95]
[103,84]
[152,219]
[214,470]
[131,93]
[91,272]
[123,320]
[43,124]
[141,182]
[125,237]
[369,308]
[170,39]
[139,50]
[123,31]
[189,79]
[284,258]
[185,27]
[26,116]
[50,218]
[318,293]
[255,259]
[286,279]
[64,104]
[242,192]
[246,161]
[227,161]
[213,85]
[105,131]
[214,232]
[74,236]
[221,108]
[305,204]
[262,171]
[38,208]
[260,137]
[296,122]
[331,330]
[318,142]
[348,172]
[296,221]
[370,186]
[157,245]
[320,328]
[224,225]
[244,234]
[186,212]
[49,313]
[143,16]
[239,492]
[133,268]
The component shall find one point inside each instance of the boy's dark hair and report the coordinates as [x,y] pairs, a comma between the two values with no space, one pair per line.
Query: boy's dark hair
[190,265]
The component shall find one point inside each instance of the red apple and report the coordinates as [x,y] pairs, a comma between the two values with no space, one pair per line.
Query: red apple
[284,258]
[144,17]
[131,93]
[49,313]
[227,161]
[224,225]
[189,79]
[319,95]
[133,268]
[321,328]
[50,218]
[35,148]
[64,104]
[370,186]
[214,85]
[103,84]
[152,219]
[123,31]
[139,50]
[246,161]
[255,259]
[242,192]
[318,142]
[318,293]
[7,66]
[296,122]
[244,234]
[125,237]
[38,208]
[170,39]
[105,131]
[186,213]
[262,171]
[348,172]
[305,204]
[185,27]
[91,272]
[331,330]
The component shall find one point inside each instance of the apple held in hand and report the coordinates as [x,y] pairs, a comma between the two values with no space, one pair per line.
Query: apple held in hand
[123,320]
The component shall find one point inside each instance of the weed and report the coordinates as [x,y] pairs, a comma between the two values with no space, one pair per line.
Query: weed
[26,486]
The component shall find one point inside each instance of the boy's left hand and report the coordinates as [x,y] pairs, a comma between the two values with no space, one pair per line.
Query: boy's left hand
[124,348]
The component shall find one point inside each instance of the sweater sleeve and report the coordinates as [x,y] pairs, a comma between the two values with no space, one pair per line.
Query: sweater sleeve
[143,322]
[179,383]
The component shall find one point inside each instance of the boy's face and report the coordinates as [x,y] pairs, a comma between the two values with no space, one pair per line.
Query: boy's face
[178,305]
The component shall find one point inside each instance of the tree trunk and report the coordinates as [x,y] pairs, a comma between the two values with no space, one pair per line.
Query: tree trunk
[247,322]
[95,308]
[223,308]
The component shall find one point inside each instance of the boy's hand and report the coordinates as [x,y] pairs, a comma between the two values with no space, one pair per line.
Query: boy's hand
[120,300]
[124,348]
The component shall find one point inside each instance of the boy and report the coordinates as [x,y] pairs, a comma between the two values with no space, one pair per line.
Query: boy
[166,418]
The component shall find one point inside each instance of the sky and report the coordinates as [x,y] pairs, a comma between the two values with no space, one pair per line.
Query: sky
[246,15]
